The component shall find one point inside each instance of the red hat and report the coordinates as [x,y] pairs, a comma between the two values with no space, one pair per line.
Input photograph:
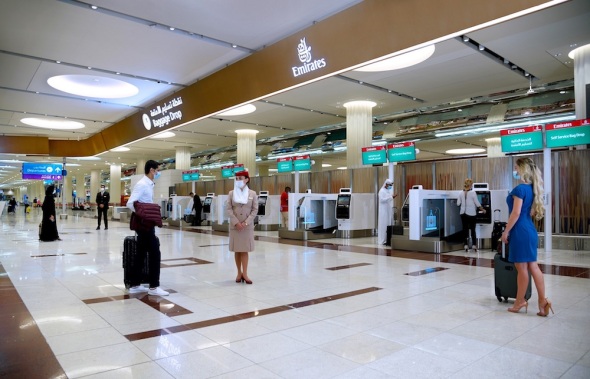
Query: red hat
[243,173]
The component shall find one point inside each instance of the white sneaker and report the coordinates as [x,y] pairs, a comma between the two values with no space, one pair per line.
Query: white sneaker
[137,289]
[158,292]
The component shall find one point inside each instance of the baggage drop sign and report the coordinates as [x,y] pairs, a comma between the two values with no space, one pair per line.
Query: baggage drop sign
[566,134]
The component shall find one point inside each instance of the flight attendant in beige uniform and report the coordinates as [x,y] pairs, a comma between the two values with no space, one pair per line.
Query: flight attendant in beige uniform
[242,208]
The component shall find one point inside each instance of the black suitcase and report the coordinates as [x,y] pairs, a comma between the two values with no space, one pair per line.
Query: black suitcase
[505,276]
[497,229]
[130,261]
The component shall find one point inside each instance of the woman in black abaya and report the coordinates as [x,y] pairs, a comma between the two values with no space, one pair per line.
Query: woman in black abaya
[48,225]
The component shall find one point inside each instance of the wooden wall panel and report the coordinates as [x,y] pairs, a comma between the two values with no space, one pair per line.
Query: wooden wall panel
[363,180]
[497,172]
[450,175]
[419,173]
[573,175]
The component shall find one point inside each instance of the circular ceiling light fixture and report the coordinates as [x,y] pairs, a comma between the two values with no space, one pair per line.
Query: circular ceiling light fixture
[47,123]
[120,149]
[164,135]
[93,86]
[465,151]
[239,111]
[408,59]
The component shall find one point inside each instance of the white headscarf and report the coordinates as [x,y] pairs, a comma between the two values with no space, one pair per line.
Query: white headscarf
[387,181]
[240,194]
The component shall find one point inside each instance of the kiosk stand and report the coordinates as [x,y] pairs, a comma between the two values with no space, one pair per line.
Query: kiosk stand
[268,212]
[355,214]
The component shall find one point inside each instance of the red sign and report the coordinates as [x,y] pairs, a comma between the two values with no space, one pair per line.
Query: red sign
[226,167]
[373,148]
[569,124]
[190,172]
[525,129]
[301,157]
[284,159]
[401,144]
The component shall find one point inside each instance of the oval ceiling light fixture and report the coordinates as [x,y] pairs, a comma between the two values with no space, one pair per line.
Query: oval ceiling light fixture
[93,86]
[239,111]
[90,158]
[465,151]
[47,123]
[408,59]
[326,165]
[163,135]
[120,149]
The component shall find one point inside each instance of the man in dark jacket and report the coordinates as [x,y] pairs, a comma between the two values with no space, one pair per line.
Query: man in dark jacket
[102,202]
[197,207]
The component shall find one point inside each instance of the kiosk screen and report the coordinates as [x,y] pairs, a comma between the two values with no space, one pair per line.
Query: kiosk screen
[343,200]
[208,201]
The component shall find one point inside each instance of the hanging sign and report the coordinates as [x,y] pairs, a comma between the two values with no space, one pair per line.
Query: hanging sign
[403,151]
[569,133]
[284,164]
[302,163]
[522,139]
[190,175]
[374,155]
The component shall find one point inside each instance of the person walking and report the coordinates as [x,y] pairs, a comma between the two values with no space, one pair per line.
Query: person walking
[48,224]
[198,208]
[469,205]
[525,202]
[102,203]
[285,207]
[386,197]
[242,208]
[148,245]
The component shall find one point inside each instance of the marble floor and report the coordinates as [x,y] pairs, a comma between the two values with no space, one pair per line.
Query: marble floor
[331,308]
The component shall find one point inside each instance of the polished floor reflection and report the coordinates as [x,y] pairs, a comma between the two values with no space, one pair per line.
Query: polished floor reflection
[331,308]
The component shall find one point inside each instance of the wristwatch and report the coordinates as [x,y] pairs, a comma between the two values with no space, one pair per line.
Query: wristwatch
[245,223]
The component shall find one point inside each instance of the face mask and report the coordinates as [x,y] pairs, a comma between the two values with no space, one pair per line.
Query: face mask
[158,173]
[239,184]
[101,190]
[515,175]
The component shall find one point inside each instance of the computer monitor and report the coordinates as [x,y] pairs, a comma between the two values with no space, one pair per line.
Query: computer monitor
[343,200]
[208,201]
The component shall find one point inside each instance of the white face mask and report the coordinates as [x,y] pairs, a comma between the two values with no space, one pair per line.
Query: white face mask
[102,190]
[239,184]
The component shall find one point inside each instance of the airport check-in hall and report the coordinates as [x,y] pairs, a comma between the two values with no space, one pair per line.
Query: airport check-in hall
[334,189]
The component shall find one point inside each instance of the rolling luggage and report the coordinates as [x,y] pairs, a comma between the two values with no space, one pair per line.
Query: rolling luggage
[497,229]
[130,261]
[505,275]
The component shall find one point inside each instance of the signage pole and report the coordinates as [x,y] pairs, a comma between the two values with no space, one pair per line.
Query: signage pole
[548,199]
[390,170]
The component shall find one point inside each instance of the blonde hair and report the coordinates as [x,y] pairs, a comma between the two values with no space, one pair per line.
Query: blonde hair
[468,184]
[530,174]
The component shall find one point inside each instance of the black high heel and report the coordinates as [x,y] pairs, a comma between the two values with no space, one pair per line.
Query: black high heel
[240,279]
[248,281]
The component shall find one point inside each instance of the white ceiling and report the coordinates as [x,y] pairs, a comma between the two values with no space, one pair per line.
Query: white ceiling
[36,33]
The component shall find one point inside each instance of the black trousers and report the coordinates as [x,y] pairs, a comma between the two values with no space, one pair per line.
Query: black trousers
[469,226]
[148,247]
[101,212]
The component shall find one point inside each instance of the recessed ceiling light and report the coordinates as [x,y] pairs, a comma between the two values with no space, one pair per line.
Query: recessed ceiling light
[244,109]
[91,158]
[163,135]
[342,168]
[408,59]
[465,151]
[120,149]
[326,165]
[52,123]
[93,86]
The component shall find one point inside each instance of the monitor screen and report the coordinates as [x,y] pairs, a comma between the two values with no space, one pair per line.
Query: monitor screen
[208,201]
[343,200]
[483,197]
[262,200]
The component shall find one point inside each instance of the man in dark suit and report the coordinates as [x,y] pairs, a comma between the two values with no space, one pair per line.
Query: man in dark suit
[102,202]
[197,207]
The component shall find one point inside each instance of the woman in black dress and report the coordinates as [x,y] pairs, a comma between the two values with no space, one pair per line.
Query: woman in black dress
[48,225]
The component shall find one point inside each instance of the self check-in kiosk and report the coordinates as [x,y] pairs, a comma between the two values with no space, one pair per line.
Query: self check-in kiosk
[208,209]
[269,207]
[355,213]
[311,216]
[219,216]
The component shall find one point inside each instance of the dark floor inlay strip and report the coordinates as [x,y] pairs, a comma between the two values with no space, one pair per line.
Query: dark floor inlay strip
[56,255]
[24,352]
[221,244]
[426,271]
[196,261]
[247,315]
[347,266]
[157,302]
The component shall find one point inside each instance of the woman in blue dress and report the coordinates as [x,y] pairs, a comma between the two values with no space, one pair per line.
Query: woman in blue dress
[525,202]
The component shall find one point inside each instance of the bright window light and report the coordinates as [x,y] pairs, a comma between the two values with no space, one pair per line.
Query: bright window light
[244,109]
[93,86]
[52,123]
[400,61]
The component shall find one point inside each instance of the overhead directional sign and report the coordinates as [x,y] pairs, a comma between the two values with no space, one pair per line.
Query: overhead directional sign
[374,155]
[284,164]
[569,133]
[522,139]
[302,163]
[190,175]
[403,151]
[42,171]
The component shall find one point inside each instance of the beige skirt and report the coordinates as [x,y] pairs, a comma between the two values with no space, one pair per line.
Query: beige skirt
[241,241]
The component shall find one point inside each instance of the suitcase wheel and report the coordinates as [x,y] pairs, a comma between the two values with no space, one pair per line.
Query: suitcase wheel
[499,298]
